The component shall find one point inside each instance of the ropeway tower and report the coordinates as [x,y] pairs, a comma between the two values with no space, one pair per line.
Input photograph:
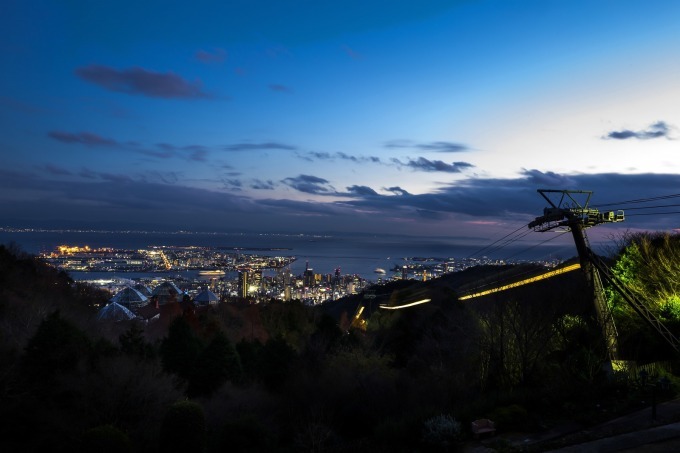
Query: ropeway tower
[569,210]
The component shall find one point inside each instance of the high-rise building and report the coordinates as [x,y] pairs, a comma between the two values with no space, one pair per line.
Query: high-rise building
[255,278]
[243,284]
[308,276]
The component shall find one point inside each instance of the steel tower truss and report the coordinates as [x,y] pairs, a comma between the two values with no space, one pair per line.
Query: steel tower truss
[569,210]
[567,213]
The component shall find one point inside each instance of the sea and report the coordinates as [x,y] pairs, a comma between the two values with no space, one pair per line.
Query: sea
[352,253]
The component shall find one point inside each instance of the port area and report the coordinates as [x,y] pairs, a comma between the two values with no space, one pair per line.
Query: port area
[207,260]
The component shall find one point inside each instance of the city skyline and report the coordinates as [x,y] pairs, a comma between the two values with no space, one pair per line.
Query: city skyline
[437,119]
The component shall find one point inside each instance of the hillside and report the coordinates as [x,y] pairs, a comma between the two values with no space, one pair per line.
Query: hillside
[286,377]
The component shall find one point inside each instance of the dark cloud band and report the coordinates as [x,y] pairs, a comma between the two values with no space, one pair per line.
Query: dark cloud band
[142,81]
[659,129]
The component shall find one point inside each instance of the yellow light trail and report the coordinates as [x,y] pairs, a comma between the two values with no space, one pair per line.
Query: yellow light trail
[543,276]
[424,301]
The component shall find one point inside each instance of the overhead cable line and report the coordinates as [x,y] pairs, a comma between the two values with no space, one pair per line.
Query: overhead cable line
[535,245]
[510,241]
[653,213]
[640,200]
[495,242]
[654,207]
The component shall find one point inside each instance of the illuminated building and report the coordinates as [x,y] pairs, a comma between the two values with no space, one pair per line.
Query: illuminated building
[308,277]
[243,284]
[255,281]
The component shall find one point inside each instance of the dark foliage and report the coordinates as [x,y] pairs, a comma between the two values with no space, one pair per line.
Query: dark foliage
[217,363]
[105,439]
[133,343]
[180,349]
[183,428]
[275,362]
[287,377]
[57,347]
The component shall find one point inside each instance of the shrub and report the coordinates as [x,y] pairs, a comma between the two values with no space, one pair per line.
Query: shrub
[106,439]
[510,417]
[441,431]
[183,428]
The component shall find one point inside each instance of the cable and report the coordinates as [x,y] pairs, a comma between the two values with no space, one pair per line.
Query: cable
[510,241]
[641,200]
[653,213]
[536,245]
[490,245]
[654,207]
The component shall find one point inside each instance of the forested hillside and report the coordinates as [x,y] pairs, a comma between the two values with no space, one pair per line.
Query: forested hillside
[288,377]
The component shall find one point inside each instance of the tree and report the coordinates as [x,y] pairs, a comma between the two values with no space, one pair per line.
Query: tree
[132,343]
[56,347]
[183,428]
[180,349]
[248,352]
[217,363]
[275,362]
[106,439]
[648,265]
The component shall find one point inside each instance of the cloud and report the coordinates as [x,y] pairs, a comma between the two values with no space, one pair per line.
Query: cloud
[169,177]
[319,155]
[197,153]
[322,155]
[115,177]
[346,156]
[310,184]
[216,56]
[233,184]
[55,170]
[160,154]
[431,215]
[82,138]
[516,200]
[122,201]
[422,164]
[259,147]
[439,147]
[258,184]
[549,179]
[443,147]
[143,82]
[363,191]
[656,130]
[396,190]
[87,174]
[280,88]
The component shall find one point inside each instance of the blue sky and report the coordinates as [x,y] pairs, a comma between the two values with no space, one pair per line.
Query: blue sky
[425,118]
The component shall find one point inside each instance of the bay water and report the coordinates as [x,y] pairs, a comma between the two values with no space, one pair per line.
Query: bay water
[352,253]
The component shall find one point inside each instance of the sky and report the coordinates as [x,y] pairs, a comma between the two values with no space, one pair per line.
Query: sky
[437,118]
